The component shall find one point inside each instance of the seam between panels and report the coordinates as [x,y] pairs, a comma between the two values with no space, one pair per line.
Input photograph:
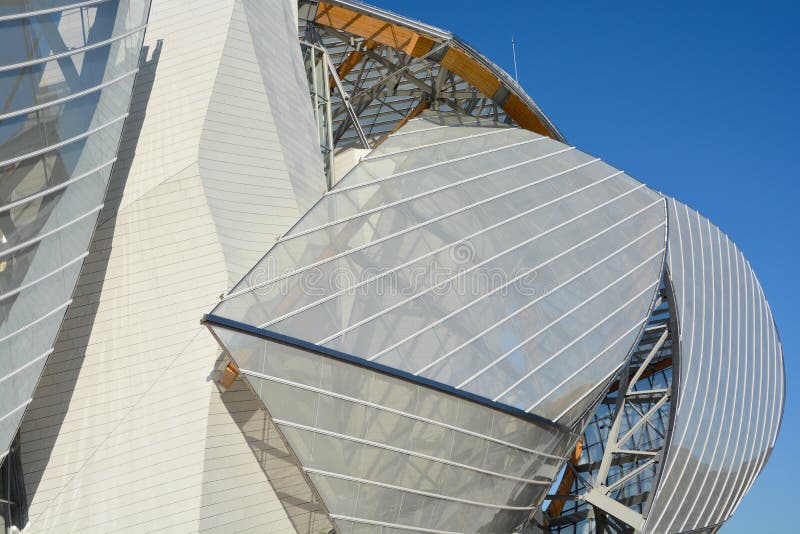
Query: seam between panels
[707,387]
[72,52]
[597,356]
[520,310]
[53,502]
[433,165]
[722,419]
[425,194]
[753,469]
[15,410]
[57,187]
[27,364]
[737,434]
[691,351]
[37,320]
[736,492]
[559,318]
[43,277]
[493,131]
[725,462]
[399,412]
[381,240]
[674,326]
[414,491]
[426,255]
[47,234]
[407,452]
[48,148]
[398,134]
[65,7]
[440,284]
[390,525]
[71,96]
[511,315]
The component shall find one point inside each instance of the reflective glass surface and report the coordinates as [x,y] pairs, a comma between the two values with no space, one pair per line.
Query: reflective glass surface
[66,77]
[484,257]
[414,456]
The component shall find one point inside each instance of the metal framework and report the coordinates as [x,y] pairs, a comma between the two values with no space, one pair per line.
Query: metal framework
[386,70]
[607,485]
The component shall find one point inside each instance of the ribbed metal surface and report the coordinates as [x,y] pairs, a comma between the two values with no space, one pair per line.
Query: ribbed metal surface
[731,387]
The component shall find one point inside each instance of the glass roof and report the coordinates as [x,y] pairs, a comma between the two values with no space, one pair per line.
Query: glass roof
[491,259]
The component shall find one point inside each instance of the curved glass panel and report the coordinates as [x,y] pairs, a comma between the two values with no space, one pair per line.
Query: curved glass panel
[491,259]
[731,388]
[417,458]
[63,112]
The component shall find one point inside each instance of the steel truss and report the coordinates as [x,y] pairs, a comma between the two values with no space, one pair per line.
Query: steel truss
[607,485]
[376,88]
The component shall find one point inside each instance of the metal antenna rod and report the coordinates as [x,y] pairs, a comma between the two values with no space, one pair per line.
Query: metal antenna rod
[514,53]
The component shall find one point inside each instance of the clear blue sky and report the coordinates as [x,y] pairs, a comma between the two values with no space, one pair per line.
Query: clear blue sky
[696,99]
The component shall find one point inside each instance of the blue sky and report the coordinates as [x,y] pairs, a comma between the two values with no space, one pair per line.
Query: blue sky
[698,100]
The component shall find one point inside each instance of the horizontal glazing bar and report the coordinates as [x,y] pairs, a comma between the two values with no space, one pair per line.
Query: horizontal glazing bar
[430,192]
[590,362]
[394,411]
[61,143]
[34,282]
[51,232]
[433,384]
[37,321]
[72,52]
[465,271]
[493,131]
[17,370]
[336,191]
[38,12]
[62,185]
[409,453]
[571,343]
[390,525]
[67,98]
[392,236]
[414,491]
[565,314]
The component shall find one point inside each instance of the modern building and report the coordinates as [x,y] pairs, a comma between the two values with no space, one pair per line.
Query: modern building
[310,267]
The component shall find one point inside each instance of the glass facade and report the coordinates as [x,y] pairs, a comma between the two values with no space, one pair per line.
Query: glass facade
[481,257]
[66,74]
[479,328]
[383,450]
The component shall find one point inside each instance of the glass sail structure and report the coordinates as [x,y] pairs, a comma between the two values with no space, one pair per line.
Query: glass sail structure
[424,310]
[66,74]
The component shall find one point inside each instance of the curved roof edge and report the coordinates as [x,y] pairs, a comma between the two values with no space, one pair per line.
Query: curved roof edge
[419,40]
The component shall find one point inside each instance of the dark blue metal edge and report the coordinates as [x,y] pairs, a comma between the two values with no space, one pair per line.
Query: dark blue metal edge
[229,324]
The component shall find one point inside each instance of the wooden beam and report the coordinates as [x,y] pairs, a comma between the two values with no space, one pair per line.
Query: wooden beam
[419,108]
[417,45]
[351,61]
[565,486]
[393,35]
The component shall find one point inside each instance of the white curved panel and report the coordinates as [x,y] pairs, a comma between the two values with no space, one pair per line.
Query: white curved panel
[731,386]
